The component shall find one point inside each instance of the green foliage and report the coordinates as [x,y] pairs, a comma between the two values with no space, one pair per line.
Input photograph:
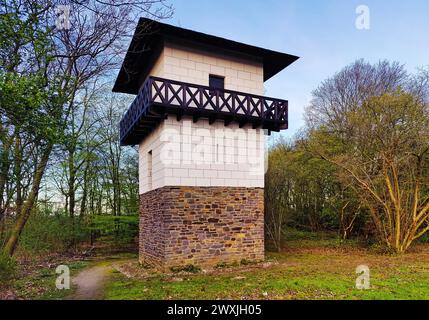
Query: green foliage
[292,234]
[245,262]
[29,100]
[186,268]
[45,232]
[302,190]
[119,229]
[7,268]
[24,37]
[424,238]
[223,264]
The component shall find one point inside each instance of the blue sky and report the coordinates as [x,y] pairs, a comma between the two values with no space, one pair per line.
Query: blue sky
[321,32]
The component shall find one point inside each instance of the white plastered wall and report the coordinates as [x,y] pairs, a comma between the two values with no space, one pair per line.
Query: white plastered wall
[195,66]
[181,150]
[202,154]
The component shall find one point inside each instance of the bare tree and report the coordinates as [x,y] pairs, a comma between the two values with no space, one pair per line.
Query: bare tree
[369,122]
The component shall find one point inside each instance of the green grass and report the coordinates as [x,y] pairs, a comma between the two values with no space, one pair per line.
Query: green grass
[38,282]
[307,269]
[40,285]
[311,266]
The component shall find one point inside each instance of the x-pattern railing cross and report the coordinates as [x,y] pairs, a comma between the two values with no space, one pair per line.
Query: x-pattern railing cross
[189,97]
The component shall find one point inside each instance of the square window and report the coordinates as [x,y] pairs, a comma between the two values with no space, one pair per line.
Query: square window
[216,82]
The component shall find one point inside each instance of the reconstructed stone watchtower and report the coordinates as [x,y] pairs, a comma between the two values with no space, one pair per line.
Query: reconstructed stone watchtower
[199,120]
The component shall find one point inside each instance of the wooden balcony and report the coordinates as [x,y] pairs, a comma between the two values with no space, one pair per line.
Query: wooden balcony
[160,97]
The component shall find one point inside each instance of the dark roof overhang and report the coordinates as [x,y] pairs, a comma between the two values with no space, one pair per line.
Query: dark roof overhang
[148,41]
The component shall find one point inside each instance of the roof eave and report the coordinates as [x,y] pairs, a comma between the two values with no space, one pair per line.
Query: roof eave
[127,82]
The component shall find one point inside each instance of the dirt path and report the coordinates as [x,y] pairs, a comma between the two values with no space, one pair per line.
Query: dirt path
[90,283]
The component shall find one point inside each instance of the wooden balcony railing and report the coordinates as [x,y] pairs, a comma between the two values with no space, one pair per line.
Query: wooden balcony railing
[159,97]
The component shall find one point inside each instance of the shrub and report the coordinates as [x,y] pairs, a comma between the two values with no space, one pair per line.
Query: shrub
[186,268]
[118,229]
[221,265]
[49,232]
[7,268]
[45,232]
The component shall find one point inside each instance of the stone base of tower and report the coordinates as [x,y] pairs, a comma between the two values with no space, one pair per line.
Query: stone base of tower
[202,226]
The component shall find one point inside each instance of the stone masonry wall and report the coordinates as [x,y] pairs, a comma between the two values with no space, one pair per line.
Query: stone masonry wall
[202,226]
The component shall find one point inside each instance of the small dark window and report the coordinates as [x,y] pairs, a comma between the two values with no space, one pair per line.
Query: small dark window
[216,82]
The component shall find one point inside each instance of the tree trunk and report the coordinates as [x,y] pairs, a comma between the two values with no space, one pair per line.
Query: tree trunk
[4,169]
[71,184]
[18,172]
[84,200]
[27,206]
